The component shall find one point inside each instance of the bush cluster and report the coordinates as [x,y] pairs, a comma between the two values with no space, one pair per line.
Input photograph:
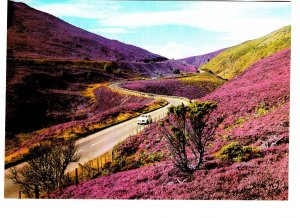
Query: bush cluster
[236,152]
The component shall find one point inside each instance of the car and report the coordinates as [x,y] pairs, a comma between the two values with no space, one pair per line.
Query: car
[144,119]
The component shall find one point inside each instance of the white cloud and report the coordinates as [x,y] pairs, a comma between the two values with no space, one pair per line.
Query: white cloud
[234,19]
[227,17]
[173,50]
[112,30]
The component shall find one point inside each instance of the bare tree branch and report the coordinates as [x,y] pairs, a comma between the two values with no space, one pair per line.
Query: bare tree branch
[46,170]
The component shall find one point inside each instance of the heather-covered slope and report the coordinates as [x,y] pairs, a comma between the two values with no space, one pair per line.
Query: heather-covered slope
[232,61]
[45,78]
[256,110]
[28,28]
[104,107]
[191,87]
[155,69]
[201,59]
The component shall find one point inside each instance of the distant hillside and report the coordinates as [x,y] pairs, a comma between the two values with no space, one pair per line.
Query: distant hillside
[236,59]
[192,87]
[201,59]
[35,34]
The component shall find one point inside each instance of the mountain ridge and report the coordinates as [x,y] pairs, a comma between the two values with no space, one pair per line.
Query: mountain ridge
[199,60]
[28,27]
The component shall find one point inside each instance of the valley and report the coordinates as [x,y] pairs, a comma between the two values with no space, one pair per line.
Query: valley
[88,90]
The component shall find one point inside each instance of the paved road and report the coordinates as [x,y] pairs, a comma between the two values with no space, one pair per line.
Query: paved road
[99,143]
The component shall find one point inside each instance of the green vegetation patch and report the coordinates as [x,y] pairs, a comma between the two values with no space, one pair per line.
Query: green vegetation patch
[203,80]
[232,61]
[131,157]
[236,152]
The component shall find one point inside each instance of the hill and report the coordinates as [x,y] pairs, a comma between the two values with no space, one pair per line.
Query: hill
[234,60]
[45,78]
[201,59]
[256,110]
[28,28]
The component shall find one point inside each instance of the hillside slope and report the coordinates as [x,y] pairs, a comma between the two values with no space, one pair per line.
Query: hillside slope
[256,110]
[236,59]
[28,28]
[191,87]
[50,63]
[201,59]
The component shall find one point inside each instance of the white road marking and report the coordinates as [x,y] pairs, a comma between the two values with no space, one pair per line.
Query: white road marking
[92,145]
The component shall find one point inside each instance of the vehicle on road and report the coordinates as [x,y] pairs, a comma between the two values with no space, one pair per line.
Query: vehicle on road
[144,119]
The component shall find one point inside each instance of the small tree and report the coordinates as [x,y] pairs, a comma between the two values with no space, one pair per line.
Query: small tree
[176,71]
[108,68]
[46,170]
[188,130]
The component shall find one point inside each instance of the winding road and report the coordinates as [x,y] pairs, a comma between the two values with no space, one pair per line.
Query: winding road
[101,142]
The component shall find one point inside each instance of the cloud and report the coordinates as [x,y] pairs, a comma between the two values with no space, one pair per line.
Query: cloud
[112,30]
[213,16]
[231,18]
[173,50]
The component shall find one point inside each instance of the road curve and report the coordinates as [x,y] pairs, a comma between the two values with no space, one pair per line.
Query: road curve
[101,142]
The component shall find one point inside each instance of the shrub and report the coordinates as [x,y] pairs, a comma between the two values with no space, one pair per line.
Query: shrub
[262,110]
[234,151]
[189,130]
[108,68]
[146,158]
[176,71]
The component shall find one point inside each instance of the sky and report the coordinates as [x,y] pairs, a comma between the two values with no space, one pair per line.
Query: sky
[174,29]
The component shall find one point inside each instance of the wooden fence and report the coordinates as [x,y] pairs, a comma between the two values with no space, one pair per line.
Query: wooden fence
[89,169]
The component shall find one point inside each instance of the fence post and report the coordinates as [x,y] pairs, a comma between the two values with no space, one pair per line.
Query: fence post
[82,172]
[68,178]
[92,167]
[98,168]
[36,192]
[76,176]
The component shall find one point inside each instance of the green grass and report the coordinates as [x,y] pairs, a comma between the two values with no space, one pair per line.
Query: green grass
[236,59]
[210,80]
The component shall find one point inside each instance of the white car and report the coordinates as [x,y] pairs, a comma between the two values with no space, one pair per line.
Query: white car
[144,119]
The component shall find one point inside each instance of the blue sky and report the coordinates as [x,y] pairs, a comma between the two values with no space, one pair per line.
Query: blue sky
[172,29]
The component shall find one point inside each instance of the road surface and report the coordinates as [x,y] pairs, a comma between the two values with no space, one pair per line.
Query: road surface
[101,142]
